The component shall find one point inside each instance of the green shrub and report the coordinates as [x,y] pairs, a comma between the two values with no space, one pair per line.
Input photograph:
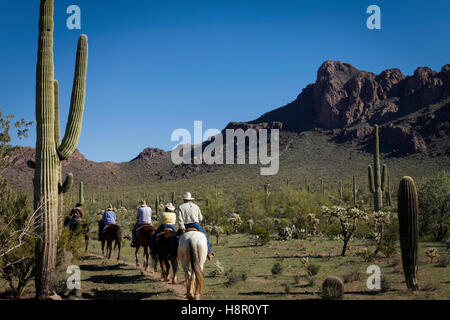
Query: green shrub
[262,235]
[352,276]
[277,269]
[442,262]
[312,269]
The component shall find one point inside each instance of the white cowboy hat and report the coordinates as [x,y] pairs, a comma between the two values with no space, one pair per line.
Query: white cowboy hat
[170,206]
[109,208]
[187,196]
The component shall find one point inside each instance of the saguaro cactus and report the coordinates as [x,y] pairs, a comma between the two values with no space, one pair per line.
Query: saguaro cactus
[408,211]
[81,193]
[355,193]
[49,152]
[377,179]
[340,190]
[388,192]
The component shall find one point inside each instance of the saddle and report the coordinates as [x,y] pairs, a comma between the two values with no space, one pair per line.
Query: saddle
[106,227]
[143,226]
[190,229]
[166,232]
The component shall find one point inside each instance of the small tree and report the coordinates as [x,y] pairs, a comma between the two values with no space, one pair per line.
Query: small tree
[347,218]
[434,204]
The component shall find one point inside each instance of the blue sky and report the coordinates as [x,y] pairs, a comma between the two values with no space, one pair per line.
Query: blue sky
[155,66]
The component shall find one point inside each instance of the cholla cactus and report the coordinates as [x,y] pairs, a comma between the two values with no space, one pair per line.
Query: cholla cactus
[235,221]
[348,218]
[288,233]
[218,269]
[431,253]
[380,219]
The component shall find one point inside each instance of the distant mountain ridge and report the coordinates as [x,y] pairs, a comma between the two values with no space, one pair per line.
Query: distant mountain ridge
[344,103]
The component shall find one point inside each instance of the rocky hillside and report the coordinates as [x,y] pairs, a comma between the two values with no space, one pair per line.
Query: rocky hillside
[412,111]
[339,109]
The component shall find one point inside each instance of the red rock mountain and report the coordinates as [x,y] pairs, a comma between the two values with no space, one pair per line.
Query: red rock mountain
[413,113]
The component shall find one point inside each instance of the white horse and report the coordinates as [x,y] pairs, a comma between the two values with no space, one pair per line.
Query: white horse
[192,252]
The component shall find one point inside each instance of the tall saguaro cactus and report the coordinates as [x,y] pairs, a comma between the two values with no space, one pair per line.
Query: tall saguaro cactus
[81,193]
[49,151]
[408,211]
[355,193]
[377,178]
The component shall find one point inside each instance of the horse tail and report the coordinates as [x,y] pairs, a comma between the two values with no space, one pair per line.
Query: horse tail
[196,268]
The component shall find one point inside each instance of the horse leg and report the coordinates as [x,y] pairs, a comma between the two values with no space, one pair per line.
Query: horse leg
[146,257]
[174,272]
[136,254]
[155,262]
[167,269]
[103,247]
[109,249]
[119,245]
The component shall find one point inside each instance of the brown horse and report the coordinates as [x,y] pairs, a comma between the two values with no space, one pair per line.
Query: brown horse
[110,234]
[143,237]
[163,250]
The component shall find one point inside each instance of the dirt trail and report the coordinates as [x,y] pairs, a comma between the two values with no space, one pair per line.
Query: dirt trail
[179,289]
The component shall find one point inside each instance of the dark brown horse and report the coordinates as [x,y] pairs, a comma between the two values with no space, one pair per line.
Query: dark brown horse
[111,233]
[143,237]
[163,249]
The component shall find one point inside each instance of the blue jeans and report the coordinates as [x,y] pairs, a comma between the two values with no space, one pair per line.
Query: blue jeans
[158,231]
[196,225]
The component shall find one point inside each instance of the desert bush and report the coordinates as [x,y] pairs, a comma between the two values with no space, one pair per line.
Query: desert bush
[434,201]
[312,269]
[367,255]
[385,284]
[17,240]
[287,287]
[332,288]
[310,280]
[352,276]
[277,268]
[388,250]
[234,277]
[262,235]
[442,262]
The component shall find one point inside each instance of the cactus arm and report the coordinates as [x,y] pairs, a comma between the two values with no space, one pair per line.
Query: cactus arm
[384,178]
[67,185]
[73,128]
[371,181]
[57,131]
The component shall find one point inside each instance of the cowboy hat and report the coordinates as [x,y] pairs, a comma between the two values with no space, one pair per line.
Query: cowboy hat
[187,196]
[143,203]
[170,206]
[109,208]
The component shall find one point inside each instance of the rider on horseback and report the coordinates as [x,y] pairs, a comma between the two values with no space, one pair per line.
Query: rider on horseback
[75,216]
[168,219]
[144,217]
[189,216]
[108,218]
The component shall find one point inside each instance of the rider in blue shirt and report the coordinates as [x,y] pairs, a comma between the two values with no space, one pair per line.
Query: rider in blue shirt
[108,217]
